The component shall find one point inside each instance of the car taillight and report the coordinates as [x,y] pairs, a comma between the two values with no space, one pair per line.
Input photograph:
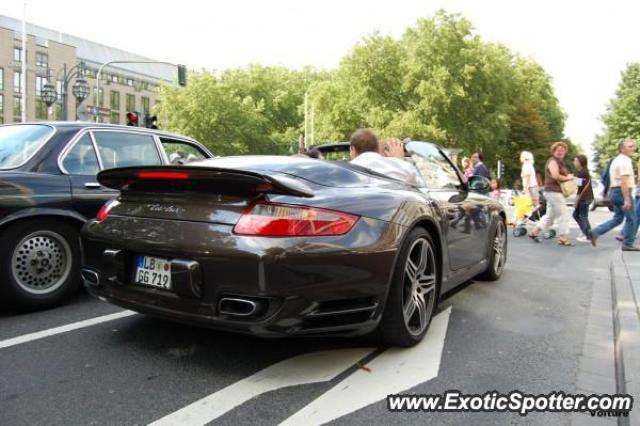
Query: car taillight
[103,213]
[283,220]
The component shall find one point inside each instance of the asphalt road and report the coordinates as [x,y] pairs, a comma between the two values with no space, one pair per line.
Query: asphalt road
[524,332]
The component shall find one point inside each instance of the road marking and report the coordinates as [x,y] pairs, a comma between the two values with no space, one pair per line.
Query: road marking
[303,369]
[394,371]
[63,329]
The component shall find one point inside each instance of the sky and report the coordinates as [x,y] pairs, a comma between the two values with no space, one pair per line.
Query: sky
[584,46]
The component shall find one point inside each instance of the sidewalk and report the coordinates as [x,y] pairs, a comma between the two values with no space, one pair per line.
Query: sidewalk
[625,283]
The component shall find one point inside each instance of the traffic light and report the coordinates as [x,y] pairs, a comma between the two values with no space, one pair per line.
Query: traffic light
[182,75]
[151,121]
[133,118]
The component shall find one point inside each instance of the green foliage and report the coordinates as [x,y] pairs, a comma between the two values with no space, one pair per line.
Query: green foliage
[622,119]
[442,83]
[438,82]
[251,110]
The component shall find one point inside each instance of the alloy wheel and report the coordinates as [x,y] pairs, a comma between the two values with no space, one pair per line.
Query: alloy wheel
[419,286]
[499,249]
[41,262]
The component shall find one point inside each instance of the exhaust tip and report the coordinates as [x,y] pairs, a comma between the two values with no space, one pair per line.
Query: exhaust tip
[90,277]
[237,307]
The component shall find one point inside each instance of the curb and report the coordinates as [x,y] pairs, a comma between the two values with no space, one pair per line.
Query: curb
[626,327]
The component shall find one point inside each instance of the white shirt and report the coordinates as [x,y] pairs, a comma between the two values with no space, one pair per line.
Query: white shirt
[621,166]
[528,176]
[390,166]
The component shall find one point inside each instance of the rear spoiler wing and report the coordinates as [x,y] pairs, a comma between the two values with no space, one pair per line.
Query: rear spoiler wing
[202,179]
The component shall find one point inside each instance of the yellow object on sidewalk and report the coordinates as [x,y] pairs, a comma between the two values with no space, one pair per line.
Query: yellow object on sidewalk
[523,206]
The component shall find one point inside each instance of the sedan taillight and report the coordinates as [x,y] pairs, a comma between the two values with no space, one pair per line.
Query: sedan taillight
[103,213]
[284,220]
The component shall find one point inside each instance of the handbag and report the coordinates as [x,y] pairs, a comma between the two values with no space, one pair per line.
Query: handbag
[568,187]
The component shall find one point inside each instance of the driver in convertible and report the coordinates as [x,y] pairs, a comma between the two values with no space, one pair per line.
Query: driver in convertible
[365,152]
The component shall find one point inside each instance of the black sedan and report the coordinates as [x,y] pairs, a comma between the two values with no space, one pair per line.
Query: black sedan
[48,190]
[281,246]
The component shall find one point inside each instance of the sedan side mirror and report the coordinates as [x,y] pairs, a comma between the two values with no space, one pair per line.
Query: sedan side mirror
[479,184]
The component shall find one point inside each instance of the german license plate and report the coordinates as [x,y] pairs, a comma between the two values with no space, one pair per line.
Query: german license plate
[153,271]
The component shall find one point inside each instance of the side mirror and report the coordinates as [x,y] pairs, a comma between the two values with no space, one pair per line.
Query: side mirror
[479,184]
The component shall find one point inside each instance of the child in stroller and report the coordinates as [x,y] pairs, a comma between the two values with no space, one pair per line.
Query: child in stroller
[526,215]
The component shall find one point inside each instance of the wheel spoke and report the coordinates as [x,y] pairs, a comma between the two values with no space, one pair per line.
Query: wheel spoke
[422,313]
[426,283]
[409,309]
[411,270]
[424,257]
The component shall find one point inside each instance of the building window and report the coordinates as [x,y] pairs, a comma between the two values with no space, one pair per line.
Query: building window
[42,59]
[131,102]
[115,100]
[17,54]
[17,82]
[129,82]
[1,79]
[114,78]
[115,117]
[41,110]
[17,107]
[100,101]
[1,103]
[145,105]
[40,82]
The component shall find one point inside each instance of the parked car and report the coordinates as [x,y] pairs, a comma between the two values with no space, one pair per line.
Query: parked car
[282,246]
[48,190]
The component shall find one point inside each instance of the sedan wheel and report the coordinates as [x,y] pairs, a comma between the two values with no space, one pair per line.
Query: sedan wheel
[413,294]
[39,263]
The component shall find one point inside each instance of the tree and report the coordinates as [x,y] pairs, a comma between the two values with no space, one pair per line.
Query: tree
[248,110]
[622,119]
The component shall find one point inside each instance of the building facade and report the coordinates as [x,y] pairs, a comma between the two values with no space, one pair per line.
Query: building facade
[61,59]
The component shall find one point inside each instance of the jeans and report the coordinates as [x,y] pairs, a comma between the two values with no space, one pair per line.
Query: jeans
[581,215]
[637,213]
[619,215]
[556,210]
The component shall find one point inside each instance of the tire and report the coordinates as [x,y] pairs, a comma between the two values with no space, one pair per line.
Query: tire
[414,276]
[498,255]
[39,264]
[519,231]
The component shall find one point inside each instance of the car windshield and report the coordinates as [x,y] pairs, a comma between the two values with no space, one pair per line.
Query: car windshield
[19,143]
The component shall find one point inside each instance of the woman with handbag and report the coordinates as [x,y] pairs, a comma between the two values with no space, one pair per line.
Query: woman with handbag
[558,184]
[584,198]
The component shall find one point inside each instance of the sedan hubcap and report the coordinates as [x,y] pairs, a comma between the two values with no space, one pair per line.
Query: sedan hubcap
[41,262]
[499,249]
[418,295]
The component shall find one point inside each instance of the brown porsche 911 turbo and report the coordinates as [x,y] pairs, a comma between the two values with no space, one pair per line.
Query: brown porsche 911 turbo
[282,246]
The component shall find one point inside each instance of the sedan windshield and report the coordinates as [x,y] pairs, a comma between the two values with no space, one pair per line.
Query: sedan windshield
[19,143]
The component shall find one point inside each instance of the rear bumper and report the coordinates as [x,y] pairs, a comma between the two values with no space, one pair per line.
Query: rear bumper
[299,286]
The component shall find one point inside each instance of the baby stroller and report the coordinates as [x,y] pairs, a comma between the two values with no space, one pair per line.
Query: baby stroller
[527,216]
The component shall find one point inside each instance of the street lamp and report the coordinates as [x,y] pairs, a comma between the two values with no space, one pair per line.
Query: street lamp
[80,88]
[49,94]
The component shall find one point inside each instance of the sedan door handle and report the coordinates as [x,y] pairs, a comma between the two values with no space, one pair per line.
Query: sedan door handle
[92,185]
